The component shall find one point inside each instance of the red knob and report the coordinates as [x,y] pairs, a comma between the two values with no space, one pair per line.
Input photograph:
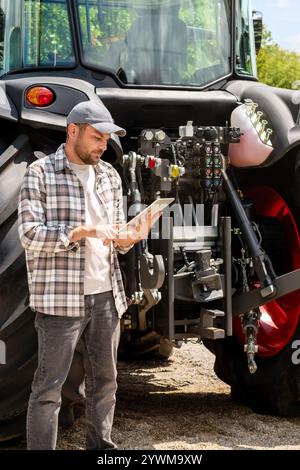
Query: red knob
[151,162]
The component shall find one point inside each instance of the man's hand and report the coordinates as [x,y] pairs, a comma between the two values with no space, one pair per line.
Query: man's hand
[137,232]
[104,232]
[108,233]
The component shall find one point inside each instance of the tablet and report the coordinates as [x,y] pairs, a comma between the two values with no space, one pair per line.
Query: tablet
[156,206]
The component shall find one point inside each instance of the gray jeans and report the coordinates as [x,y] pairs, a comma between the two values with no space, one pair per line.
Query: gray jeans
[57,339]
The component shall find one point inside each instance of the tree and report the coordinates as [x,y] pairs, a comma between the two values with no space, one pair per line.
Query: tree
[277,67]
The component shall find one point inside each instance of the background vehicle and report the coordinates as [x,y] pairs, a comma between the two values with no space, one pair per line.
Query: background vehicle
[174,73]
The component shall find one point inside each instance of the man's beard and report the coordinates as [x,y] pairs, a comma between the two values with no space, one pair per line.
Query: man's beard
[85,156]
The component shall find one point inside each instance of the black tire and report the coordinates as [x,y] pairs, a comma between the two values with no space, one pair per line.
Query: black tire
[17,333]
[144,346]
[273,389]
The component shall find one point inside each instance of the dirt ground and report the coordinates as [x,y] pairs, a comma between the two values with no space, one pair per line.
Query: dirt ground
[180,404]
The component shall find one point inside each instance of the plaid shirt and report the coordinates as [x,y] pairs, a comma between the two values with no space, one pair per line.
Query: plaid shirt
[51,204]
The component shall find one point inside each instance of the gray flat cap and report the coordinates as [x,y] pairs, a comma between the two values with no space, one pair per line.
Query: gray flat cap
[96,115]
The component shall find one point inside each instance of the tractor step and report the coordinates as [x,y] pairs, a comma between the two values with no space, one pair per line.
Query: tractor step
[206,327]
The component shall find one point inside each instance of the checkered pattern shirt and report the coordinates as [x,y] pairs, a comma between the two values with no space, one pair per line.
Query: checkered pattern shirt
[51,204]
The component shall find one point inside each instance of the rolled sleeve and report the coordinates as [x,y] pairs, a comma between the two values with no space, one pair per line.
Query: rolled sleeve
[64,238]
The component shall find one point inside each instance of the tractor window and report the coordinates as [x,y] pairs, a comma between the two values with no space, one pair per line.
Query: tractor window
[245,42]
[47,38]
[10,37]
[157,42]
[34,33]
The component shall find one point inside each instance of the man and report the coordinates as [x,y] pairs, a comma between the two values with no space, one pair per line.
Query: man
[70,209]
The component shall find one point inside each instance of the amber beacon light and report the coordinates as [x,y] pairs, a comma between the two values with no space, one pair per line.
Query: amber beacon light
[39,96]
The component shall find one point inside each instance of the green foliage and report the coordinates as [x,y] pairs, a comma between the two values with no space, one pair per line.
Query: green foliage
[200,14]
[109,25]
[47,39]
[277,67]
[201,53]
[105,26]
[47,33]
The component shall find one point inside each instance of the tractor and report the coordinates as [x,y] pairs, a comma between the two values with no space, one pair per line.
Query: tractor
[222,265]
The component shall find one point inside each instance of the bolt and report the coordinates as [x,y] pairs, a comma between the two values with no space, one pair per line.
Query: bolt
[264,123]
[160,135]
[269,132]
[252,113]
[249,103]
[148,135]
[256,119]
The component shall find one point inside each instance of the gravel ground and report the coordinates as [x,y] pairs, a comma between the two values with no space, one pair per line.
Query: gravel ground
[181,404]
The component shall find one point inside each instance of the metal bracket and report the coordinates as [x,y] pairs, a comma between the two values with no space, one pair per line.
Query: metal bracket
[154,276]
[151,298]
[247,301]
[206,327]
[208,288]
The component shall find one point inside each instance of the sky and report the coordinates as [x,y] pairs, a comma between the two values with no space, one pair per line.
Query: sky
[282,18]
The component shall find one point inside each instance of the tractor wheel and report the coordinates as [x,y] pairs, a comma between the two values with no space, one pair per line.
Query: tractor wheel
[275,387]
[18,339]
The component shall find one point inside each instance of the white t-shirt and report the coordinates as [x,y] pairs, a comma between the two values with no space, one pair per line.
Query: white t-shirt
[97,256]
